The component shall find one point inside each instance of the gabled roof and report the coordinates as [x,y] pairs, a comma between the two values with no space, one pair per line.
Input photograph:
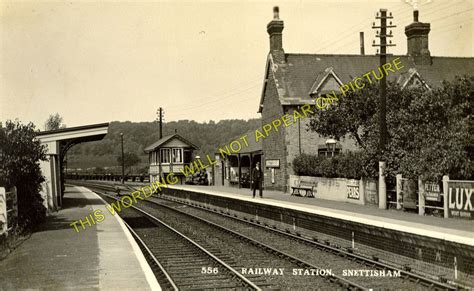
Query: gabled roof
[167,138]
[298,75]
[412,77]
[322,79]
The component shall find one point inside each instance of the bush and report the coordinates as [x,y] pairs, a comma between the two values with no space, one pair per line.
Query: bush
[20,167]
[346,165]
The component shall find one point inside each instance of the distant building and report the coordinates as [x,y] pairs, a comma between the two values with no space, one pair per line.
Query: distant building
[169,154]
[292,80]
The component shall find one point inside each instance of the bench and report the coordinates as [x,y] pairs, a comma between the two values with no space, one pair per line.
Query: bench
[309,187]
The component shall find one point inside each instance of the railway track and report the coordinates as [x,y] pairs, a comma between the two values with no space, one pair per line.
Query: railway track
[160,272]
[175,259]
[316,250]
[236,250]
[295,247]
[335,259]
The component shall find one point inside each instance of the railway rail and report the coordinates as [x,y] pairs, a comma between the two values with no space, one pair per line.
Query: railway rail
[293,246]
[249,252]
[176,259]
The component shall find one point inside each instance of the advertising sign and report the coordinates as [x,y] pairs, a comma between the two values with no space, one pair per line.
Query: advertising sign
[460,199]
[353,191]
[432,191]
[409,193]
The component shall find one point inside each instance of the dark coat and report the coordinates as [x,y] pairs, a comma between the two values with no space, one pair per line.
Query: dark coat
[257,175]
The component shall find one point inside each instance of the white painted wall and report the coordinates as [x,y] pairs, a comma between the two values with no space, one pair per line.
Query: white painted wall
[49,189]
[336,189]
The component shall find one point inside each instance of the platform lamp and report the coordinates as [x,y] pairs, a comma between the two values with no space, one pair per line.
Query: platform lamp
[198,159]
[331,146]
[123,160]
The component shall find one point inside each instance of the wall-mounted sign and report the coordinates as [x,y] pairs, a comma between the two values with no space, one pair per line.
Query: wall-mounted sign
[353,192]
[272,163]
[432,191]
[460,199]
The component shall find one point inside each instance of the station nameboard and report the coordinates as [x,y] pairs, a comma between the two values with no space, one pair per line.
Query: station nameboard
[460,199]
[272,163]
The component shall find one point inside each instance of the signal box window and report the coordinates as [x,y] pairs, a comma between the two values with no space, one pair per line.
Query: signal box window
[165,156]
[178,156]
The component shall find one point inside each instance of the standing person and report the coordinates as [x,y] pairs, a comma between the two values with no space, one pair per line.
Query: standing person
[257,180]
[117,190]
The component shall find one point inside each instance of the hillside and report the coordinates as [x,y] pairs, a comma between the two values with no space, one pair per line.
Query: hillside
[137,136]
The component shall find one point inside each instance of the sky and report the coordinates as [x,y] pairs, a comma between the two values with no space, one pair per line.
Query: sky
[96,62]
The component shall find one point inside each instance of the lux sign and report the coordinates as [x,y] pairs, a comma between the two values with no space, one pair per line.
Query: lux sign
[460,200]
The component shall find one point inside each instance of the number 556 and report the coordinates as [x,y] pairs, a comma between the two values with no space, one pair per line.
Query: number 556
[209,270]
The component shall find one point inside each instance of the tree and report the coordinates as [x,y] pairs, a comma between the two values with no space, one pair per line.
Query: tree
[430,131]
[54,121]
[20,167]
[433,134]
[131,159]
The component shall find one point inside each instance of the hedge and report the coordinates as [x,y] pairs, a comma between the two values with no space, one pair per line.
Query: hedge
[345,165]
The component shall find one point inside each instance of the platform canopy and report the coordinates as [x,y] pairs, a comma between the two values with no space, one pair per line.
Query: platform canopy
[58,142]
[67,137]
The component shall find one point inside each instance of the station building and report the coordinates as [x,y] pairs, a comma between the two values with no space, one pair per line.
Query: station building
[236,169]
[169,155]
[292,80]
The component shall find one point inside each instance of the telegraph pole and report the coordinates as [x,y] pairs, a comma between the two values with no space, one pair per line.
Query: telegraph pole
[123,160]
[383,35]
[161,113]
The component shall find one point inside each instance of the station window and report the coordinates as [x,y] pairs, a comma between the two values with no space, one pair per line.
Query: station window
[177,155]
[326,153]
[165,156]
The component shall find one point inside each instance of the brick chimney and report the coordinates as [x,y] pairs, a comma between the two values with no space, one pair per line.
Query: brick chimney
[274,29]
[417,40]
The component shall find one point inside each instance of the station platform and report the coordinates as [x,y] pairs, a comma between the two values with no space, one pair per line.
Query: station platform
[103,256]
[455,230]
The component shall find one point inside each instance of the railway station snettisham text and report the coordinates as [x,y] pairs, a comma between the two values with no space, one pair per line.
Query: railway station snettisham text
[319,272]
